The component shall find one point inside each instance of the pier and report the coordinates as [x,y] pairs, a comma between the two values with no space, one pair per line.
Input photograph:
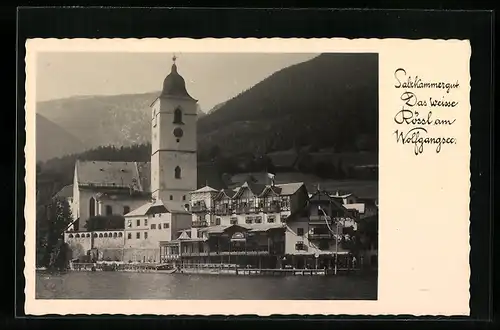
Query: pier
[232,269]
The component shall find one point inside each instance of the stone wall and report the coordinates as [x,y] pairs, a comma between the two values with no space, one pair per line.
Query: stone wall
[141,255]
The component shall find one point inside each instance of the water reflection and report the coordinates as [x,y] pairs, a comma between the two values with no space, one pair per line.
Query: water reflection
[116,285]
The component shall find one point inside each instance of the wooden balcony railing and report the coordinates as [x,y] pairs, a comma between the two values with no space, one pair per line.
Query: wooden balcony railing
[199,224]
[272,209]
[320,236]
[199,208]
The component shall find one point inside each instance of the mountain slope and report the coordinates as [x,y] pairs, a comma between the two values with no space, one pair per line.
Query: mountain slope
[331,100]
[53,141]
[328,101]
[120,120]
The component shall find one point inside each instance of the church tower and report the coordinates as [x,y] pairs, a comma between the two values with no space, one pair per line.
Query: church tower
[173,144]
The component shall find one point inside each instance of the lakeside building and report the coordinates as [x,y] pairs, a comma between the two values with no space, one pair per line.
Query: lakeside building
[264,226]
[147,195]
[167,219]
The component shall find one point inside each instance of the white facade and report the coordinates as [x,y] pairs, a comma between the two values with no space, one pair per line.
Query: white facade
[174,145]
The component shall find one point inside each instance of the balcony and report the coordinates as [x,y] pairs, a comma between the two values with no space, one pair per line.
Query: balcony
[222,212]
[317,236]
[272,209]
[199,224]
[321,219]
[244,210]
[199,208]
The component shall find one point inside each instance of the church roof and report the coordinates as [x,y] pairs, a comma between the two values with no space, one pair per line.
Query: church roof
[89,173]
[65,192]
[174,85]
[111,174]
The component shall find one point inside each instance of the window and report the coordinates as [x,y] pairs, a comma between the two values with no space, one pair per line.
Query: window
[126,209]
[129,223]
[100,235]
[109,210]
[137,235]
[258,219]
[77,236]
[105,234]
[270,219]
[153,226]
[178,116]
[145,222]
[233,221]
[154,118]
[129,235]
[115,235]
[138,223]
[217,221]
[71,235]
[184,197]
[146,235]
[299,246]
[95,235]
[177,172]
[120,234]
[300,231]
[166,226]
[92,203]
[249,220]
[88,235]
[171,197]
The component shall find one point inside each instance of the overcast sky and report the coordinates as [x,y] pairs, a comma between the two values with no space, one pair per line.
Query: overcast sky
[210,78]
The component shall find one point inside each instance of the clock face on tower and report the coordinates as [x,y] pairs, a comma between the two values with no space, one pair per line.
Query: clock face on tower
[178,132]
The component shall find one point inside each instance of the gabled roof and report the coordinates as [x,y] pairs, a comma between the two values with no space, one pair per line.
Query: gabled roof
[110,174]
[65,192]
[320,195]
[158,207]
[110,195]
[229,193]
[289,188]
[255,188]
[206,189]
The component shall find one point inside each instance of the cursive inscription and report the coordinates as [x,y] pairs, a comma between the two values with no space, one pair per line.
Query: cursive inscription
[417,114]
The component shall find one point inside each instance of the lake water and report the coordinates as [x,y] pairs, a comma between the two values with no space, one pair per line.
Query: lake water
[117,285]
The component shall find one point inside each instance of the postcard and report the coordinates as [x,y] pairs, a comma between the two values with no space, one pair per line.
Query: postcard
[247,176]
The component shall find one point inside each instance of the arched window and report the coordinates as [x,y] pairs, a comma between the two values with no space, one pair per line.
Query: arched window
[120,234]
[92,203]
[70,236]
[100,235]
[77,236]
[95,235]
[109,210]
[177,172]
[178,116]
[88,235]
[114,235]
[105,234]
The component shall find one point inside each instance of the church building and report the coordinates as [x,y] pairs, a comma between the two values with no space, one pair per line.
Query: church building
[143,193]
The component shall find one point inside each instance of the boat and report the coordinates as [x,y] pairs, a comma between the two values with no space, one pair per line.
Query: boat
[165,269]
